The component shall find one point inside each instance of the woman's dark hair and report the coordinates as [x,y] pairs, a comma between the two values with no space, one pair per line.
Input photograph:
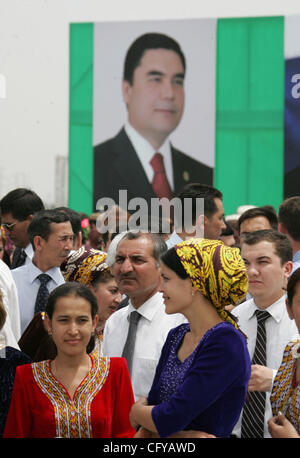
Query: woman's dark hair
[103,276]
[291,286]
[77,290]
[172,261]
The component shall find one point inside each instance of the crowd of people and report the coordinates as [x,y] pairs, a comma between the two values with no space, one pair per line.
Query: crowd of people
[185,325]
[142,334]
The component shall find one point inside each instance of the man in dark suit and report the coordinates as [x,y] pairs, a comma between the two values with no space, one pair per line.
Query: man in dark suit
[153,91]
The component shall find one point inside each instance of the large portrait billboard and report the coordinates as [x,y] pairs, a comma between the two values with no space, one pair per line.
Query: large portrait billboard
[154,91]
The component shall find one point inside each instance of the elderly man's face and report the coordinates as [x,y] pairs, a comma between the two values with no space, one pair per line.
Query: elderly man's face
[155,100]
[136,270]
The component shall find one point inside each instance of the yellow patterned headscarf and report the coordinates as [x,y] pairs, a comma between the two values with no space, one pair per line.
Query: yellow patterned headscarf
[83,265]
[216,270]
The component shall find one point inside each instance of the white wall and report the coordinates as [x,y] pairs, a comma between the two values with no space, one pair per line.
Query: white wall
[34,59]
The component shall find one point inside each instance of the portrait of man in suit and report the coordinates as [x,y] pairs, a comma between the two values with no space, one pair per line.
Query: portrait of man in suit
[154,95]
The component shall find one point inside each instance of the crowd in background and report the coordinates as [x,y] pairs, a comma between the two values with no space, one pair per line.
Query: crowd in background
[142,334]
[181,325]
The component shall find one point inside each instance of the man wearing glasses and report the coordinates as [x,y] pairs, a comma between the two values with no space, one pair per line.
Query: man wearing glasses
[17,210]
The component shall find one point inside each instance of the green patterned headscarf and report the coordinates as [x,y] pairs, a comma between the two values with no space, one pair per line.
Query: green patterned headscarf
[216,270]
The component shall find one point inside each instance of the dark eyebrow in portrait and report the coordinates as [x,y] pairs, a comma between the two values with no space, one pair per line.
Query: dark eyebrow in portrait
[158,73]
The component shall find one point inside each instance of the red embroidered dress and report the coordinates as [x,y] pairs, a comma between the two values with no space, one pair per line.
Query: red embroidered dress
[42,407]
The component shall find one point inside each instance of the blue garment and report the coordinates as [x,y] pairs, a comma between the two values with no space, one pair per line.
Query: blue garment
[296,261]
[206,391]
[291,115]
[8,364]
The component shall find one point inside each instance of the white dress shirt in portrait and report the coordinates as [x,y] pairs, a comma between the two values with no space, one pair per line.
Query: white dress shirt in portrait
[145,152]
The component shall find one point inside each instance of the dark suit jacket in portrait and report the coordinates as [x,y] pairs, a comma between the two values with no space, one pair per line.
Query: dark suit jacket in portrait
[117,166]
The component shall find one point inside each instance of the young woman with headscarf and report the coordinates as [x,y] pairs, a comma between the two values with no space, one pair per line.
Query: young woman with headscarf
[202,376]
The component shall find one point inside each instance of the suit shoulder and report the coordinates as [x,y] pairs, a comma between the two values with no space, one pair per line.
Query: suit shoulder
[111,142]
[104,146]
[186,158]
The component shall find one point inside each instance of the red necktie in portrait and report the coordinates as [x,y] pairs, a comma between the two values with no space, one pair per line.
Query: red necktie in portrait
[160,183]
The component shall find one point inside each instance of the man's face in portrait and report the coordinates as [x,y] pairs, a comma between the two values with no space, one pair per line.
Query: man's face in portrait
[155,99]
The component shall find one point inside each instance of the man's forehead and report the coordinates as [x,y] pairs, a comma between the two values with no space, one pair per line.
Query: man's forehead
[62,228]
[143,245]
[156,59]
[7,218]
[260,249]
[256,223]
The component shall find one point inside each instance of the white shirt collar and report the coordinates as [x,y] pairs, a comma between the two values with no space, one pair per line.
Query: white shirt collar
[145,151]
[34,271]
[29,251]
[149,308]
[276,310]
[173,239]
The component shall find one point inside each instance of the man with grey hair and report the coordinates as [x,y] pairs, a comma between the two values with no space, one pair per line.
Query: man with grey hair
[139,330]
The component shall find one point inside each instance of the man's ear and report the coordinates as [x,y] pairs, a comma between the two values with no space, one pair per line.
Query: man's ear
[126,91]
[288,267]
[38,242]
[200,224]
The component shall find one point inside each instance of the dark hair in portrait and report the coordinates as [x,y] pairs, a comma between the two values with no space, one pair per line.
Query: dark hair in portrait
[143,44]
